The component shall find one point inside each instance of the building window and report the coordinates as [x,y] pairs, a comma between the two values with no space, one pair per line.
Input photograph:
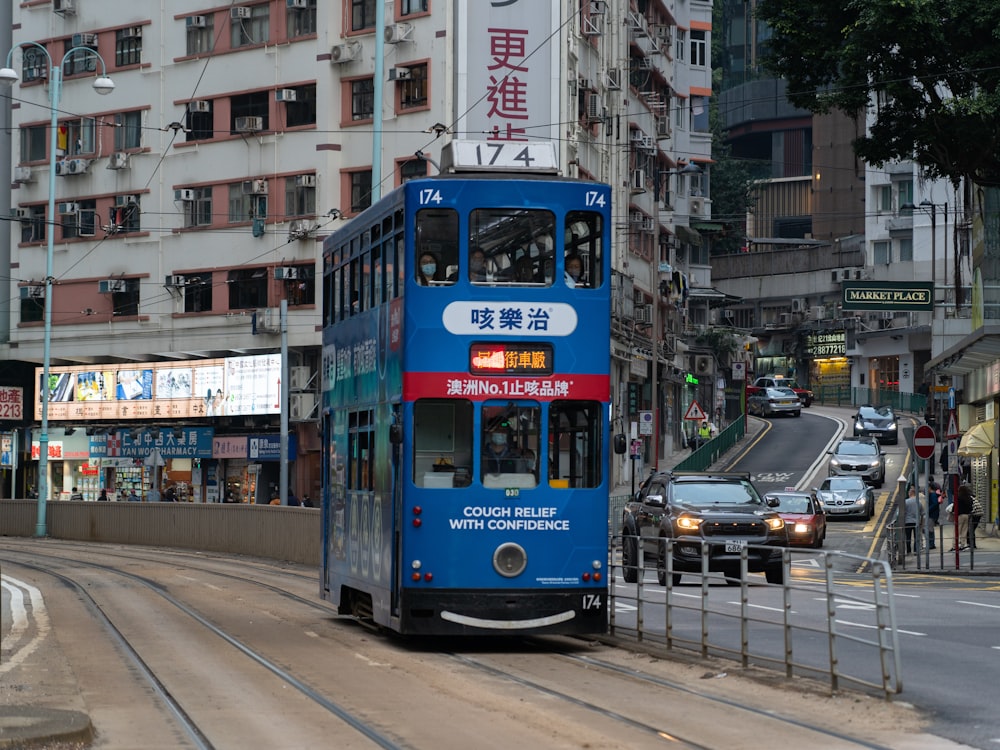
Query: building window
[32,309]
[680,45]
[33,143]
[361,190]
[362,14]
[128,46]
[247,288]
[411,169]
[300,199]
[880,250]
[34,64]
[412,91]
[126,303]
[33,230]
[128,130]
[76,137]
[197,292]
[81,61]
[301,21]
[254,30]
[198,212]
[302,289]
[906,250]
[407,7]
[201,39]
[699,114]
[883,199]
[124,215]
[699,49]
[80,224]
[240,207]
[904,193]
[200,121]
[363,99]
[302,111]
[255,104]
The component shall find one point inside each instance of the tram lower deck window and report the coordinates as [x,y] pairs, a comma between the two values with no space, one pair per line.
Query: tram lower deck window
[442,443]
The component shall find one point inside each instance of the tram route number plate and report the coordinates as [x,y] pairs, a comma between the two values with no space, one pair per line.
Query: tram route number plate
[735,545]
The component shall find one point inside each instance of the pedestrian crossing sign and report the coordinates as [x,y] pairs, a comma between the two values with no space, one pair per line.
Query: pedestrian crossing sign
[694,412]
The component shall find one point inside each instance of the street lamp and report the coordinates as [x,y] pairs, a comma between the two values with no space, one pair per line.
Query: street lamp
[931,209]
[103,85]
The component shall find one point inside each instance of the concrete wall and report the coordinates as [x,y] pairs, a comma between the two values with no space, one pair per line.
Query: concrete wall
[280,533]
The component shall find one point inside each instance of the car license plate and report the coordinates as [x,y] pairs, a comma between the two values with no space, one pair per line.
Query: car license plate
[735,545]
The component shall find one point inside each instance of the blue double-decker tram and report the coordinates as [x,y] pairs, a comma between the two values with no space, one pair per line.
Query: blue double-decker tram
[466,400]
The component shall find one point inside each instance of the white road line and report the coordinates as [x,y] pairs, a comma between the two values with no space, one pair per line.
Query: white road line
[979,604]
[38,613]
[875,627]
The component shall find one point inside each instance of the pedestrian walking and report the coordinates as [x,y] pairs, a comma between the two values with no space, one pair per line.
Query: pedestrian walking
[933,514]
[962,510]
[975,516]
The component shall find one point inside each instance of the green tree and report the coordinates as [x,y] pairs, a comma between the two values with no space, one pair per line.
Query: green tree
[927,70]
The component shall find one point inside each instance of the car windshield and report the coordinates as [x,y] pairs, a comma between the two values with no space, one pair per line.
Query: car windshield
[783,392]
[856,449]
[869,412]
[715,493]
[838,484]
[793,504]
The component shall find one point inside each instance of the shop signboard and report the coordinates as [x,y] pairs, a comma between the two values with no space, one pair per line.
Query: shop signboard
[185,442]
[233,386]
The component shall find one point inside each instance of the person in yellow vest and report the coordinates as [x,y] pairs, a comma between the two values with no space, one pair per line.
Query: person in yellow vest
[705,431]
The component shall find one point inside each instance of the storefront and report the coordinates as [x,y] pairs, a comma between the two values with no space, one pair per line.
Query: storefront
[249,468]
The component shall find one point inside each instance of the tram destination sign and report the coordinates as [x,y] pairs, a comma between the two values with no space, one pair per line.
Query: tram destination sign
[911,296]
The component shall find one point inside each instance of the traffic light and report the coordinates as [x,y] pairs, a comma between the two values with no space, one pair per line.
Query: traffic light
[633,399]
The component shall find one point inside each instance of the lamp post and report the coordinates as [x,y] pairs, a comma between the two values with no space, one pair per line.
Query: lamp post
[931,209]
[102,85]
[687,169]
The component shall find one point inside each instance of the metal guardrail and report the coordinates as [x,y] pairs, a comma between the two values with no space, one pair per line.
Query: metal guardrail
[708,454]
[914,403]
[698,623]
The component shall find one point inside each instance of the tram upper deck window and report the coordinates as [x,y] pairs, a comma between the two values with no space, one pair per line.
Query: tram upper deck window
[584,234]
[515,246]
[510,449]
[574,454]
[442,443]
[436,247]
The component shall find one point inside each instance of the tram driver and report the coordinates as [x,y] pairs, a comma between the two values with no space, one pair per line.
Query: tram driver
[499,457]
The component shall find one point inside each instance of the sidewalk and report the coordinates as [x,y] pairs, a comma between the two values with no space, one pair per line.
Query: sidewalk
[984,560]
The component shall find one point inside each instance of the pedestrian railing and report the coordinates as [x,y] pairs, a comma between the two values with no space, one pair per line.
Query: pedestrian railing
[708,453]
[914,403]
[770,625]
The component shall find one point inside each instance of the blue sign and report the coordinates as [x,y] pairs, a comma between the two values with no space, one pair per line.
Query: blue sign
[951,398]
[186,442]
[268,447]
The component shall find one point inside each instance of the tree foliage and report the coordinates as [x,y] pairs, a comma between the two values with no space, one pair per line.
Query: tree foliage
[927,71]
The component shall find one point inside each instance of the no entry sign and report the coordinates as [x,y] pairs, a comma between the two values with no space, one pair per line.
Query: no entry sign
[924,442]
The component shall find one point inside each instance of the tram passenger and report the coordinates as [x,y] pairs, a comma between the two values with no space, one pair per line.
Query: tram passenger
[477,265]
[427,269]
[524,270]
[498,456]
[574,271]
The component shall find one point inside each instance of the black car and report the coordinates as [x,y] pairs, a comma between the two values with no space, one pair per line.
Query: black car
[877,422]
[724,509]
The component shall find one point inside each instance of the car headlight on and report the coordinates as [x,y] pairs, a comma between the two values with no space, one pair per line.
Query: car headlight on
[834,462]
[861,501]
[687,523]
[801,528]
[775,524]
[893,426]
[874,463]
[859,426]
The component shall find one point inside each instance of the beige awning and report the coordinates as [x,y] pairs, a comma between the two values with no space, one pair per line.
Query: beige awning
[978,441]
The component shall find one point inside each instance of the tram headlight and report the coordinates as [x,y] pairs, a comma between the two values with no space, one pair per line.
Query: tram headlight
[510,560]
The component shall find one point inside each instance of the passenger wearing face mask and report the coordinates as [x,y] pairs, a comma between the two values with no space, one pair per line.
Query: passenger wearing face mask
[574,271]
[498,456]
[528,460]
[427,269]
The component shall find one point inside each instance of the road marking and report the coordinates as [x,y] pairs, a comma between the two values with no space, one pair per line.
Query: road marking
[876,627]
[761,606]
[978,604]
[18,612]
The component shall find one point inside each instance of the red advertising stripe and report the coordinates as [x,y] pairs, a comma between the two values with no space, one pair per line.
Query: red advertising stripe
[463,385]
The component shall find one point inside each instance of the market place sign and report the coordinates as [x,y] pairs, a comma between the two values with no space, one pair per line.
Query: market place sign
[911,296]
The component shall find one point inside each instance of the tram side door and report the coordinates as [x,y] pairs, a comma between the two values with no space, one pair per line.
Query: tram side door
[396,433]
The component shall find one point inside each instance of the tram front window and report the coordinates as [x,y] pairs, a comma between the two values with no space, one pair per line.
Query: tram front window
[575,429]
[509,439]
[442,443]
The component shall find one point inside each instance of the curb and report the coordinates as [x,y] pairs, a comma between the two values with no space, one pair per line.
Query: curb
[26,726]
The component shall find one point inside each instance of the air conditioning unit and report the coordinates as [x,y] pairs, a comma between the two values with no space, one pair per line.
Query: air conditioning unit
[249,124]
[20,214]
[67,209]
[62,168]
[184,194]
[132,32]
[267,320]
[85,40]
[702,364]
[305,180]
[635,136]
[643,313]
[78,166]
[300,406]
[595,107]
[613,79]
[293,4]
[285,95]
[798,305]
[398,32]
[817,312]
[286,273]
[785,319]
[399,74]
[239,12]
[132,200]
[64,7]
[342,53]
[728,314]
[195,22]
[174,281]
[111,286]
[696,206]
[23,174]
[662,127]
[638,181]
[636,218]
[118,160]
[255,187]
[200,106]
[298,230]
[298,378]
[34,291]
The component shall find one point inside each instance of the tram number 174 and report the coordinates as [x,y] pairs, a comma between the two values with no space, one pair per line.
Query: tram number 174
[591,601]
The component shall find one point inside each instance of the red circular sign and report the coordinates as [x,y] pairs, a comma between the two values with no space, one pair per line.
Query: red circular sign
[924,441]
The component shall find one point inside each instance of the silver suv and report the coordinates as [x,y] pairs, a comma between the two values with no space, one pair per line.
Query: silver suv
[859,457]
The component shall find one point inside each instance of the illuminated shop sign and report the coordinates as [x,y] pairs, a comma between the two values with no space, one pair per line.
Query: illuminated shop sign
[914,296]
[510,359]
[234,386]
[830,344]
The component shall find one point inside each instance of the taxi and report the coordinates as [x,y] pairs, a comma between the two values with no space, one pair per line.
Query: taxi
[805,519]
